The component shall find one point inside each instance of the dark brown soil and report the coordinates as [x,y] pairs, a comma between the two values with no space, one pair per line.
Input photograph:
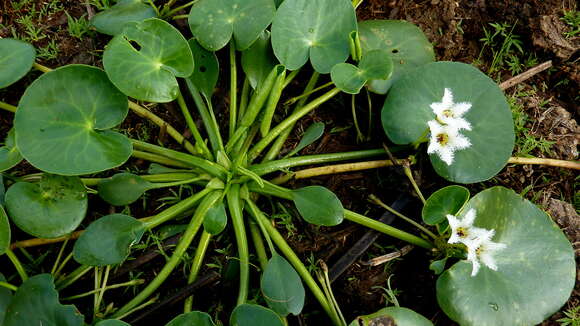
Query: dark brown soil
[455,28]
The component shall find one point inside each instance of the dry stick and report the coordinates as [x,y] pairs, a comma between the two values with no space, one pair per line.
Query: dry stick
[525,75]
[185,292]
[574,165]
[390,256]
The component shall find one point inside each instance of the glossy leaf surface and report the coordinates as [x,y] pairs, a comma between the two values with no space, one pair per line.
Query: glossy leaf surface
[51,208]
[447,200]
[375,64]
[392,316]
[64,119]
[254,315]
[9,154]
[206,72]
[535,272]
[259,60]
[216,219]
[312,134]
[111,21]
[123,188]
[318,205]
[112,322]
[16,59]
[194,318]
[282,287]
[107,240]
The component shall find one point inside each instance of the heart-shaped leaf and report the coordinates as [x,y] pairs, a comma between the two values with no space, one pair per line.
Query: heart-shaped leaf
[144,60]
[448,200]
[213,22]
[535,271]
[254,315]
[194,318]
[318,205]
[406,43]
[112,20]
[312,133]
[123,188]
[206,73]
[112,322]
[215,219]
[5,297]
[9,154]
[107,240]
[63,120]
[36,303]
[407,110]
[375,64]
[259,60]
[51,208]
[16,59]
[392,316]
[284,297]
[318,30]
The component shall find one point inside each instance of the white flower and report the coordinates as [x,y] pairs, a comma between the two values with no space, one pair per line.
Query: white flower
[482,249]
[463,230]
[445,140]
[449,113]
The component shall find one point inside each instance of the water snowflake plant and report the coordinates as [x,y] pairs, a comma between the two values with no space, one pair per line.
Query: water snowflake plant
[66,126]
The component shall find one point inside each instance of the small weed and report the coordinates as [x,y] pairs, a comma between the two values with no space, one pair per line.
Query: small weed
[572,19]
[48,52]
[101,4]
[502,42]
[572,317]
[78,27]
[284,218]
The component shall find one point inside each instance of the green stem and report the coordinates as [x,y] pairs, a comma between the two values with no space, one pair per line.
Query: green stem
[259,245]
[175,10]
[233,88]
[192,127]
[162,177]
[176,183]
[176,209]
[300,268]
[177,255]
[64,262]
[210,167]
[277,146]
[109,287]
[255,211]
[272,166]
[58,257]
[207,116]
[7,107]
[405,218]
[244,98]
[308,93]
[103,287]
[73,277]
[359,134]
[196,266]
[235,207]
[17,264]
[290,77]
[158,159]
[289,122]
[8,286]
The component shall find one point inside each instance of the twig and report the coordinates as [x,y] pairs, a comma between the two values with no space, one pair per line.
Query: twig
[390,256]
[574,165]
[525,75]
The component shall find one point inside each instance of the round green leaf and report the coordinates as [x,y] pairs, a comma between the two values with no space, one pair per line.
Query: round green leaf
[36,303]
[112,20]
[259,60]
[51,208]
[213,22]
[215,219]
[5,233]
[16,59]
[206,72]
[311,134]
[123,188]
[194,318]
[348,78]
[318,30]
[144,59]
[107,240]
[407,110]
[254,315]
[112,322]
[63,120]
[535,272]
[9,154]
[407,45]
[284,297]
[392,316]
[448,200]
[5,297]
[318,205]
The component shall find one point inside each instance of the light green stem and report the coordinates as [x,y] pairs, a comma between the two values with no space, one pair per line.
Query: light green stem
[109,287]
[233,88]
[259,245]
[176,209]
[235,207]
[196,266]
[158,159]
[73,277]
[207,116]
[17,264]
[193,128]
[7,107]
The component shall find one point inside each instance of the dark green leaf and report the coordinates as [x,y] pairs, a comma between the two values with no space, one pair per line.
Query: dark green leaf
[282,287]
[396,316]
[206,73]
[535,273]
[318,30]
[107,241]
[9,154]
[448,200]
[36,303]
[5,297]
[215,219]
[145,58]
[213,22]
[123,188]
[438,266]
[167,231]
[194,318]
[312,133]
[16,59]
[259,60]
[112,322]
[63,120]
[51,208]
[112,20]
[254,315]
[318,205]
[5,233]
[348,78]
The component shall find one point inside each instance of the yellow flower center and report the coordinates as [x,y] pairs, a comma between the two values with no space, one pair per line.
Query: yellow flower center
[442,138]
